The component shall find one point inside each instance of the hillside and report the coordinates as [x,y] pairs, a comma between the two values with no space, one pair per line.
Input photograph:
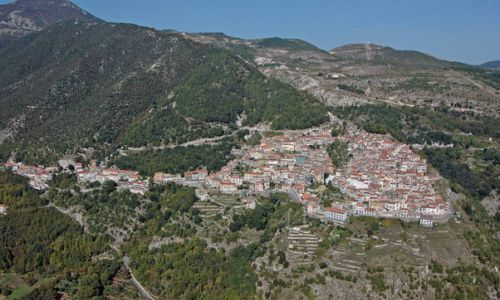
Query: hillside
[368,73]
[81,84]
[290,44]
[494,64]
[26,16]
[386,55]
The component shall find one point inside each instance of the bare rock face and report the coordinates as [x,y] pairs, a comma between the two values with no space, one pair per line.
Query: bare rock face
[316,88]
[26,16]
[357,51]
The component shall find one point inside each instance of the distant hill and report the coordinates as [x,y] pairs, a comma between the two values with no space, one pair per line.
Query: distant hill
[26,16]
[495,64]
[386,55]
[289,44]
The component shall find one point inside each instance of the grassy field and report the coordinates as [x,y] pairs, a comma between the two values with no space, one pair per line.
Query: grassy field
[18,286]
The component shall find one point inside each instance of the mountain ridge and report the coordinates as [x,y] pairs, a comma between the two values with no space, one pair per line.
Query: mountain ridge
[78,84]
[385,54]
[22,17]
[494,64]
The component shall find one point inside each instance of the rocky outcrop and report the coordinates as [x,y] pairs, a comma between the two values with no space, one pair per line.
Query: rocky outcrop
[26,16]
[314,87]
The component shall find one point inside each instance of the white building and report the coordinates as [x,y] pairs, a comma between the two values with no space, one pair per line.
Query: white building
[336,214]
[426,221]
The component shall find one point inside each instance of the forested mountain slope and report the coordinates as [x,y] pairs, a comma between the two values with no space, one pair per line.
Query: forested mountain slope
[78,84]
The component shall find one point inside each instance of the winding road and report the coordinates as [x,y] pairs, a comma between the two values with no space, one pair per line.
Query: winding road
[142,290]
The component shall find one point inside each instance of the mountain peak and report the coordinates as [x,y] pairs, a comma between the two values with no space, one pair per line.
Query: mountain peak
[22,17]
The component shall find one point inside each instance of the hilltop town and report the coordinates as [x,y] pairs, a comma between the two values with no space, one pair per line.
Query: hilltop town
[382,178]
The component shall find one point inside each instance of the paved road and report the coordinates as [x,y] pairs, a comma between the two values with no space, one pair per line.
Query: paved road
[143,291]
[198,142]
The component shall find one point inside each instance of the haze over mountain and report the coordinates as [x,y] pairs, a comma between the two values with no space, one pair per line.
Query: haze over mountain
[494,64]
[26,16]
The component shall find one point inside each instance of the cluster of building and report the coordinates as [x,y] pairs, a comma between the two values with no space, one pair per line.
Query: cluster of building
[288,163]
[191,178]
[38,175]
[382,178]
[385,178]
[125,179]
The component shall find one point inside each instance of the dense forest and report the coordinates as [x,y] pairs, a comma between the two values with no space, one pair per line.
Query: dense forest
[338,153]
[177,160]
[191,270]
[219,91]
[47,249]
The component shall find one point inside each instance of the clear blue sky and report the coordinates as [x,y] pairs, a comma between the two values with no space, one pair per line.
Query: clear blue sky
[467,31]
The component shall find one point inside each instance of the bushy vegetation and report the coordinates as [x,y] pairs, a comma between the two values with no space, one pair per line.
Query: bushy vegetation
[191,270]
[490,77]
[268,216]
[338,153]
[416,84]
[95,101]
[291,44]
[15,193]
[26,237]
[187,267]
[222,87]
[407,123]
[5,150]
[177,160]
[351,88]
[40,241]
[165,125]
[63,180]
[463,281]
[450,163]
[377,280]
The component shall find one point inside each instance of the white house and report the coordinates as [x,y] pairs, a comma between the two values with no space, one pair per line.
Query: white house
[426,221]
[336,214]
